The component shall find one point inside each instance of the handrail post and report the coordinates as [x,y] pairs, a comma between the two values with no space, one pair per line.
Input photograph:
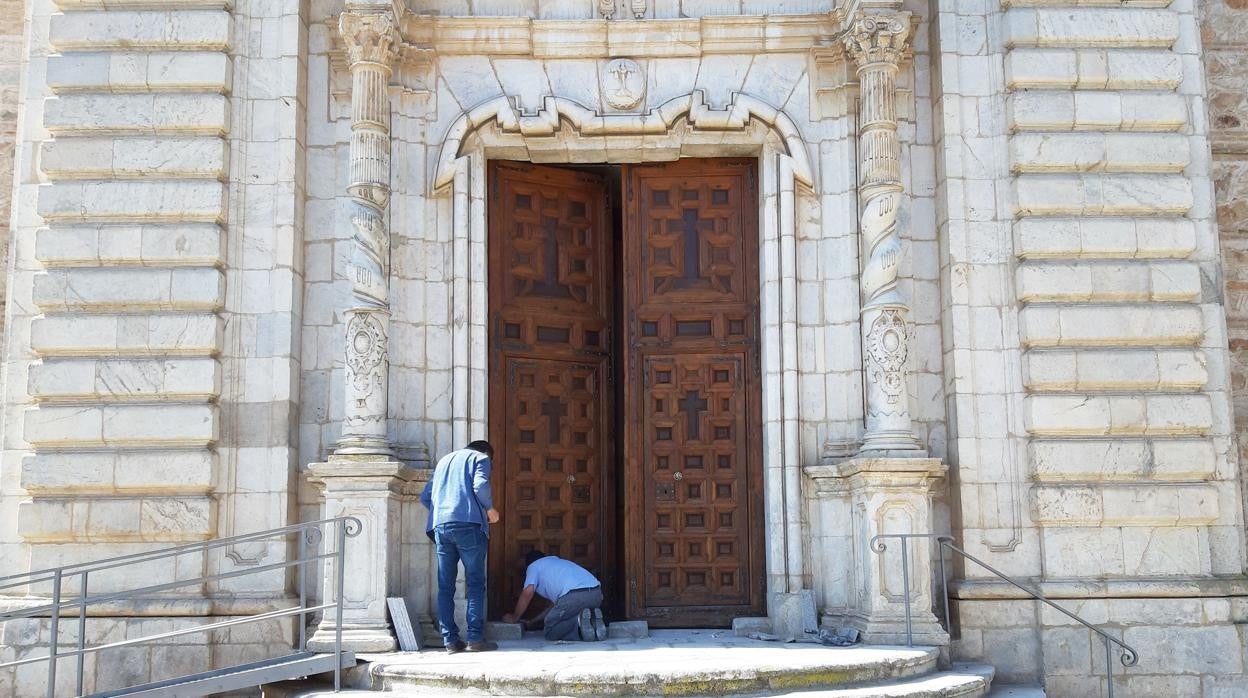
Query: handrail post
[56,626]
[905,586]
[944,585]
[82,632]
[342,558]
[303,594]
[1109,671]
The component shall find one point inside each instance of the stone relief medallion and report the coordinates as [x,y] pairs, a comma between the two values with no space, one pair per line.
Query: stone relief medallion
[623,83]
[366,349]
[887,347]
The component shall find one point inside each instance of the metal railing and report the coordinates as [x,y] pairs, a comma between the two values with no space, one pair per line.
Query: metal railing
[308,537]
[1126,654]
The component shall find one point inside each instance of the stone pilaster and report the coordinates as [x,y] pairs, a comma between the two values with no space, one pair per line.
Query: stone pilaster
[877,44]
[887,496]
[363,478]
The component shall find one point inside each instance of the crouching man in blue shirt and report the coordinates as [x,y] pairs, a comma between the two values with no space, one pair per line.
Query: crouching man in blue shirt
[577,597]
[461,509]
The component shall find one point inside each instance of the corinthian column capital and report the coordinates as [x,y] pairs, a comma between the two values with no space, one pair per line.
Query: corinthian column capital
[371,35]
[878,38]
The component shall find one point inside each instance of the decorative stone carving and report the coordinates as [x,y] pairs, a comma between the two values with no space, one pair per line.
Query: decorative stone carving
[559,112]
[878,44]
[887,349]
[639,8]
[623,83]
[371,37]
[606,8]
[366,350]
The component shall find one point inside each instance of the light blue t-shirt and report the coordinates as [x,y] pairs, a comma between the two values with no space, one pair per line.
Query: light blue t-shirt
[554,577]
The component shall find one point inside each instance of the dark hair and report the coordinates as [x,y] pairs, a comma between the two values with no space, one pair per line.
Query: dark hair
[482,446]
[533,556]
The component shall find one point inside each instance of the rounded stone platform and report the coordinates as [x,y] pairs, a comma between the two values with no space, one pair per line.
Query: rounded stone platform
[684,662]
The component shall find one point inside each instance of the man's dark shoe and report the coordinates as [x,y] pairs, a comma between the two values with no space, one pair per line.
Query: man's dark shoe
[585,623]
[482,646]
[455,647]
[600,626]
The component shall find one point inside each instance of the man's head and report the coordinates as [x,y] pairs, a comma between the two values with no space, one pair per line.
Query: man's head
[533,556]
[481,446]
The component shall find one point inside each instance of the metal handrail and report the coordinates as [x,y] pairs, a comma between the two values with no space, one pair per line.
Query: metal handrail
[1126,654]
[149,555]
[311,535]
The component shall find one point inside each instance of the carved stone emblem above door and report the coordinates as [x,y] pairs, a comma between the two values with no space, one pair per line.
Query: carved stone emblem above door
[623,83]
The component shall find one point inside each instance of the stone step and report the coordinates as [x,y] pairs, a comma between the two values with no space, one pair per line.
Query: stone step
[688,662]
[1015,691]
[961,682]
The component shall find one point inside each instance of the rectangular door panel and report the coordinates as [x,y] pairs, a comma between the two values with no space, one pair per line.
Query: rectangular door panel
[693,451]
[551,392]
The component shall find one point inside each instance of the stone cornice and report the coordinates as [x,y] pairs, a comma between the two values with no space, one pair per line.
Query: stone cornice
[651,38]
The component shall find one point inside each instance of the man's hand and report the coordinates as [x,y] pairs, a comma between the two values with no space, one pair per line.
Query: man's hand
[492,515]
[509,618]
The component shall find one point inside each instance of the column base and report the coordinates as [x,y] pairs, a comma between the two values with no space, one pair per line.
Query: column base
[363,446]
[891,444]
[356,637]
[925,630]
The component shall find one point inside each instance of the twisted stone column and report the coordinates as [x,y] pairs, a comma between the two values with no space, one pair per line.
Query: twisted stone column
[371,36]
[362,478]
[877,44]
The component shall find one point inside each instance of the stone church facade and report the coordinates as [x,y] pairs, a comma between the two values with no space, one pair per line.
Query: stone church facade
[734,286]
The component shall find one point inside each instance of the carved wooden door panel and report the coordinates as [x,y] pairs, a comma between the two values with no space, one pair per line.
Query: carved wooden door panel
[551,398]
[693,447]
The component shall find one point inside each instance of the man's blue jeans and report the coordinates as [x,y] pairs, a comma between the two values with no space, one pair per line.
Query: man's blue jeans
[456,542]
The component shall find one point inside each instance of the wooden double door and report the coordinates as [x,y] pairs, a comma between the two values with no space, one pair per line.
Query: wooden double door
[625,384]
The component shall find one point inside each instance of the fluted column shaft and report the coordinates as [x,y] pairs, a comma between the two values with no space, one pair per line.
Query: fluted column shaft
[371,36]
[877,44]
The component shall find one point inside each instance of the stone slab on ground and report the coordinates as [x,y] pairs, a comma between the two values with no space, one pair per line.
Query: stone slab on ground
[689,662]
[503,631]
[622,629]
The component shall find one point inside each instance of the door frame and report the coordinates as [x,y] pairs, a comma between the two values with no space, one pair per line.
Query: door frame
[787,204]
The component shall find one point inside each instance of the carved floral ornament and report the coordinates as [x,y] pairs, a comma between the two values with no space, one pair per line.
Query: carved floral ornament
[371,37]
[366,350]
[879,38]
[888,348]
[606,8]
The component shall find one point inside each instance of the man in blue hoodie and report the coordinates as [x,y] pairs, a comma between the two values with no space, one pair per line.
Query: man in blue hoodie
[461,509]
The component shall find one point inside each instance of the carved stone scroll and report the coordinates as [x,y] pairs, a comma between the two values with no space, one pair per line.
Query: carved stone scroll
[878,44]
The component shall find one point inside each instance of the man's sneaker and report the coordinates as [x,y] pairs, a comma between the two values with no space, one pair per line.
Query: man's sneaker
[600,625]
[481,646]
[587,625]
[455,647]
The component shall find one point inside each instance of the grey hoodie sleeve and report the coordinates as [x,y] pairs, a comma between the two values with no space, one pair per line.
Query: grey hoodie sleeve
[481,483]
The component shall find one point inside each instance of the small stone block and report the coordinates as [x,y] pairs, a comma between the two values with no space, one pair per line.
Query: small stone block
[742,627]
[628,628]
[503,631]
